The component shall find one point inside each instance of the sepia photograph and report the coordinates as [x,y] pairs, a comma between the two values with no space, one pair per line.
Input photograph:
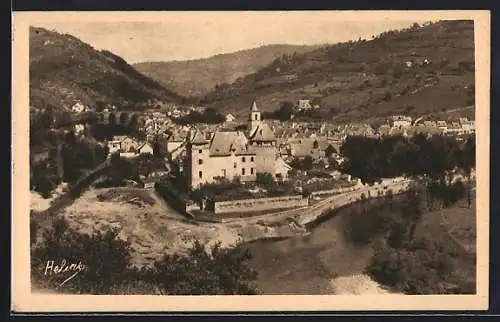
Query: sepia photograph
[254,154]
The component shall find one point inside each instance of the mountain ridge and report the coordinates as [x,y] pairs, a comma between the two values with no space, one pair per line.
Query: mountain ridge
[422,69]
[197,77]
[65,70]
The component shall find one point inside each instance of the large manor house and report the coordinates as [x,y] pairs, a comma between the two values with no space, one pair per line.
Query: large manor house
[230,154]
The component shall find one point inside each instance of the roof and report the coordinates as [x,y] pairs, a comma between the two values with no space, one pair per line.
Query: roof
[199,138]
[421,129]
[263,133]
[226,142]
[254,107]
[145,144]
[281,165]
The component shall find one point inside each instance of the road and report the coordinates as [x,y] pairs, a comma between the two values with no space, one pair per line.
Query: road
[305,215]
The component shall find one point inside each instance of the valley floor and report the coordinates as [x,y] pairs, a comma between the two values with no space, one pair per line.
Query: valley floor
[319,262]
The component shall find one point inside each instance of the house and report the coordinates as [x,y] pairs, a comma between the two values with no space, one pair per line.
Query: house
[78,107]
[304,104]
[468,127]
[230,118]
[301,148]
[232,153]
[281,169]
[442,125]
[400,121]
[430,124]
[384,130]
[144,148]
[128,144]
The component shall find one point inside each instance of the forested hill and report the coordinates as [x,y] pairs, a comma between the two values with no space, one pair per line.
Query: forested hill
[198,77]
[420,70]
[63,70]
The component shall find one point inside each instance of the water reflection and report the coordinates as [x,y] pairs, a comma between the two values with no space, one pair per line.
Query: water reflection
[306,264]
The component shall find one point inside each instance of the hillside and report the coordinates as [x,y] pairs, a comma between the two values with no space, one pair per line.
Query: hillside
[63,70]
[198,77]
[418,70]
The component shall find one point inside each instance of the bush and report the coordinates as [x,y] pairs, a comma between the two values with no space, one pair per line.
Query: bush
[219,271]
[265,179]
[105,258]
[423,266]
[106,267]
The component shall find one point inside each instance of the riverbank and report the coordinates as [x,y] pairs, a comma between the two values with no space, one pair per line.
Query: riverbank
[155,229]
[328,261]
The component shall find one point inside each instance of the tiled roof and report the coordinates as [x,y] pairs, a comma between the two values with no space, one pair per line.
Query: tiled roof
[199,138]
[224,143]
[263,133]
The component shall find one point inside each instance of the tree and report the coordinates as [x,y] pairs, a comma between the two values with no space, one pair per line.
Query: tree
[304,164]
[265,179]
[106,259]
[285,111]
[218,271]
[411,212]
[121,169]
[330,150]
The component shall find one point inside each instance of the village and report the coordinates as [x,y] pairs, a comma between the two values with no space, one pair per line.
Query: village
[206,170]
[282,169]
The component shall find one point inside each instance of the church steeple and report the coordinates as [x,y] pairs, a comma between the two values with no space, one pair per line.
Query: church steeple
[254,118]
[254,107]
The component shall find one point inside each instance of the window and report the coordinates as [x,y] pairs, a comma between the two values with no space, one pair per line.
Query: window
[200,174]
[242,171]
[200,151]
[235,165]
[200,161]
[243,159]
[256,117]
[251,170]
[251,159]
[224,173]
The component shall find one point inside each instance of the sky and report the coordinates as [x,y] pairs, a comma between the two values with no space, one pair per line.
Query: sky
[197,35]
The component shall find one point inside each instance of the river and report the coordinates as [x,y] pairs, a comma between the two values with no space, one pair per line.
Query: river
[308,264]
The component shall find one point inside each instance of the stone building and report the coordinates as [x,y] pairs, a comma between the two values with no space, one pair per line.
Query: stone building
[231,153]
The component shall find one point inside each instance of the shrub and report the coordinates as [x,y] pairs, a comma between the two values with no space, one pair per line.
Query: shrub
[265,179]
[219,271]
[106,259]
[423,266]
[107,268]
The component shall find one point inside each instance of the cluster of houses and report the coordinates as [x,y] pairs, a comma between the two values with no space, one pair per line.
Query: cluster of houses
[128,147]
[209,152]
[230,153]
[402,125]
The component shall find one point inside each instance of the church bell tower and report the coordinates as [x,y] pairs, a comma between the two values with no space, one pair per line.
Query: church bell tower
[255,119]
